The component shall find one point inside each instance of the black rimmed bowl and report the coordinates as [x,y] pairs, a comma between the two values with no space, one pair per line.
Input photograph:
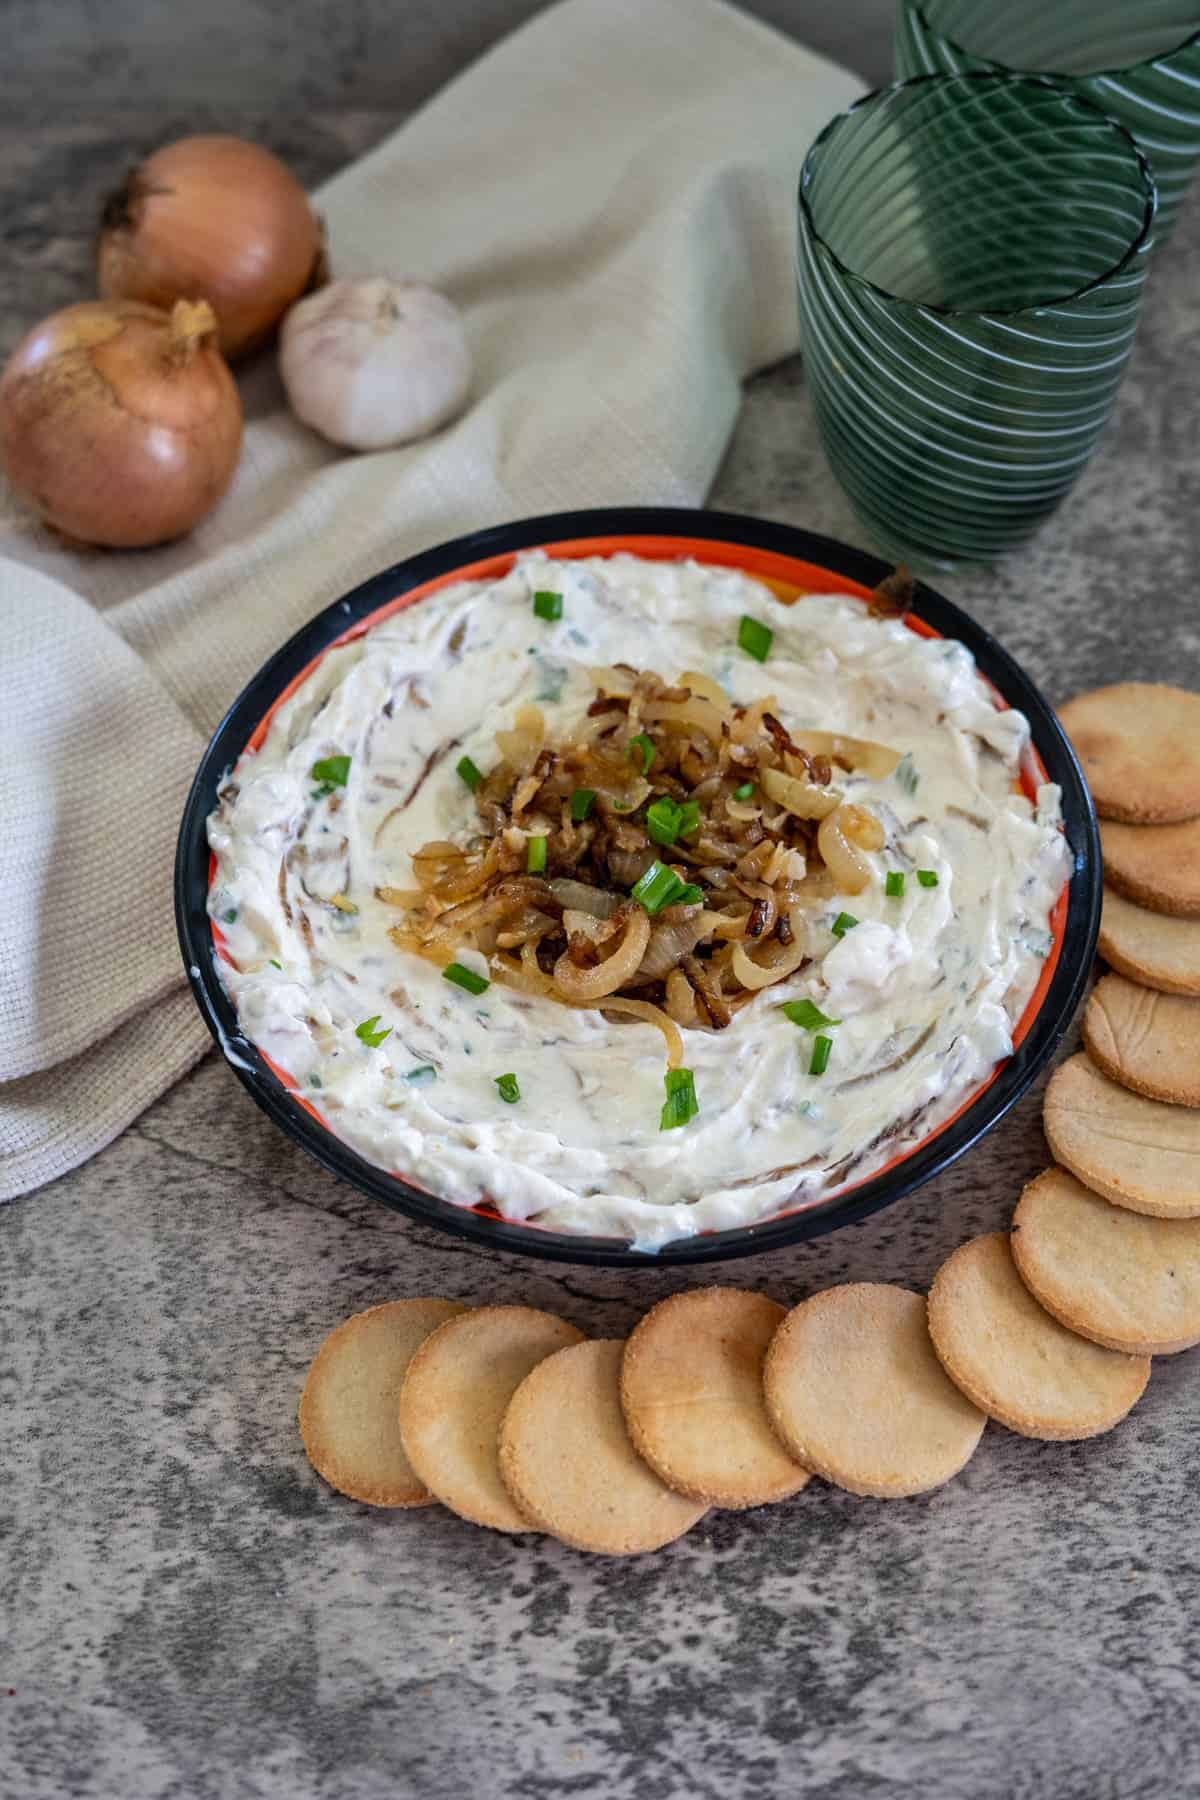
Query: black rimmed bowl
[791,561]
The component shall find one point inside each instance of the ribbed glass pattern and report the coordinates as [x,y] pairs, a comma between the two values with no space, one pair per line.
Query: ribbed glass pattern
[971,257]
[1137,60]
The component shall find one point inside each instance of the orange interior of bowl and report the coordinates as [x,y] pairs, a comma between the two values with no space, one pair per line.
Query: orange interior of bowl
[788,577]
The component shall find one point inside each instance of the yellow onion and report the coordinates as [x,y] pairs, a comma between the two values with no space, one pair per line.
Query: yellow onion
[842,838]
[802,798]
[862,754]
[590,985]
[120,423]
[218,217]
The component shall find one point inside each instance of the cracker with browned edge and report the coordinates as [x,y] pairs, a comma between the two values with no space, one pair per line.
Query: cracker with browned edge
[1016,1362]
[349,1408]
[1139,743]
[1155,866]
[454,1399]
[691,1390]
[1139,1153]
[856,1393]
[1150,947]
[1148,1042]
[570,1466]
[1124,1280]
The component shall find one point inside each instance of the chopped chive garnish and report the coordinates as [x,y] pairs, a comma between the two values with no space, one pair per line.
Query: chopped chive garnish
[466,769]
[807,1014]
[369,1033]
[666,820]
[661,886]
[273,963]
[681,1103]
[654,889]
[509,1089]
[582,802]
[820,1056]
[893,887]
[642,750]
[547,605]
[465,978]
[927,877]
[755,638]
[535,856]
[744,792]
[906,775]
[331,770]
[229,915]
[421,1074]
[843,923]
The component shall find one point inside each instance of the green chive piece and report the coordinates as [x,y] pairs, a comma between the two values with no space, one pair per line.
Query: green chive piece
[641,748]
[656,888]
[681,1103]
[273,963]
[689,818]
[509,1088]
[465,978]
[820,1056]
[755,638]
[466,769]
[893,887]
[905,773]
[547,605]
[927,877]
[807,1014]
[744,792]
[535,855]
[582,802]
[332,770]
[843,923]
[691,895]
[369,1033]
[229,915]
[423,1073]
[664,820]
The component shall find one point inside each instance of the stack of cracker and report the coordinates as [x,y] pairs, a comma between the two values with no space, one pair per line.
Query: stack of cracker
[721,1397]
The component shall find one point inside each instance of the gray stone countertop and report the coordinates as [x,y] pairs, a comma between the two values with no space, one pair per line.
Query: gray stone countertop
[187,1613]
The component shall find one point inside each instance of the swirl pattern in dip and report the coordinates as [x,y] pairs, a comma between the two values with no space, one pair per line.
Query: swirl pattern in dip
[926,985]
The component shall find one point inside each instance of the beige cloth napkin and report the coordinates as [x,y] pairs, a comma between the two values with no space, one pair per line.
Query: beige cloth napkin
[609,195]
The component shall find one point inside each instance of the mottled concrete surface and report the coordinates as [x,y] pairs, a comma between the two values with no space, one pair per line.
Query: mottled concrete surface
[186,1613]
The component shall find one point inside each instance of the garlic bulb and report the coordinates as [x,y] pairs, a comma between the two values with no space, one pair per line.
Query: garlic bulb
[373,362]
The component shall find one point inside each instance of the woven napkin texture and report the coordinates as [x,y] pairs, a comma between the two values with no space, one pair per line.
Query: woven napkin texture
[609,196]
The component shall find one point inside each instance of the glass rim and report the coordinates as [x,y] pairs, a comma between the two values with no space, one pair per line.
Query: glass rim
[1000,78]
[1003,68]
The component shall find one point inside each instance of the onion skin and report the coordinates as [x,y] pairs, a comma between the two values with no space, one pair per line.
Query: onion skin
[119,423]
[217,217]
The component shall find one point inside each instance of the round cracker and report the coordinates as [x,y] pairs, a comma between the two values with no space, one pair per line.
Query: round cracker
[454,1399]
[1117,1277]
[1139,743]
[1017,1363]
[1148,1042]
[1157,866]
[1150,947]
[855,1392]
[349,1408]
[691,1391]
[1138,1153]
[570,1467]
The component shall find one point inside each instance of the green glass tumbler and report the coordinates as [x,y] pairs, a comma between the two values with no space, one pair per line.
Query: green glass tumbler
[1137,60]
[972,251]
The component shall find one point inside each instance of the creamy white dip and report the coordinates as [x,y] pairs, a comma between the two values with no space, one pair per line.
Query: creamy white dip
[948,968]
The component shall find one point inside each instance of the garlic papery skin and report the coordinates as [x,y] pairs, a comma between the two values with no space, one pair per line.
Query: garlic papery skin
[371,362]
